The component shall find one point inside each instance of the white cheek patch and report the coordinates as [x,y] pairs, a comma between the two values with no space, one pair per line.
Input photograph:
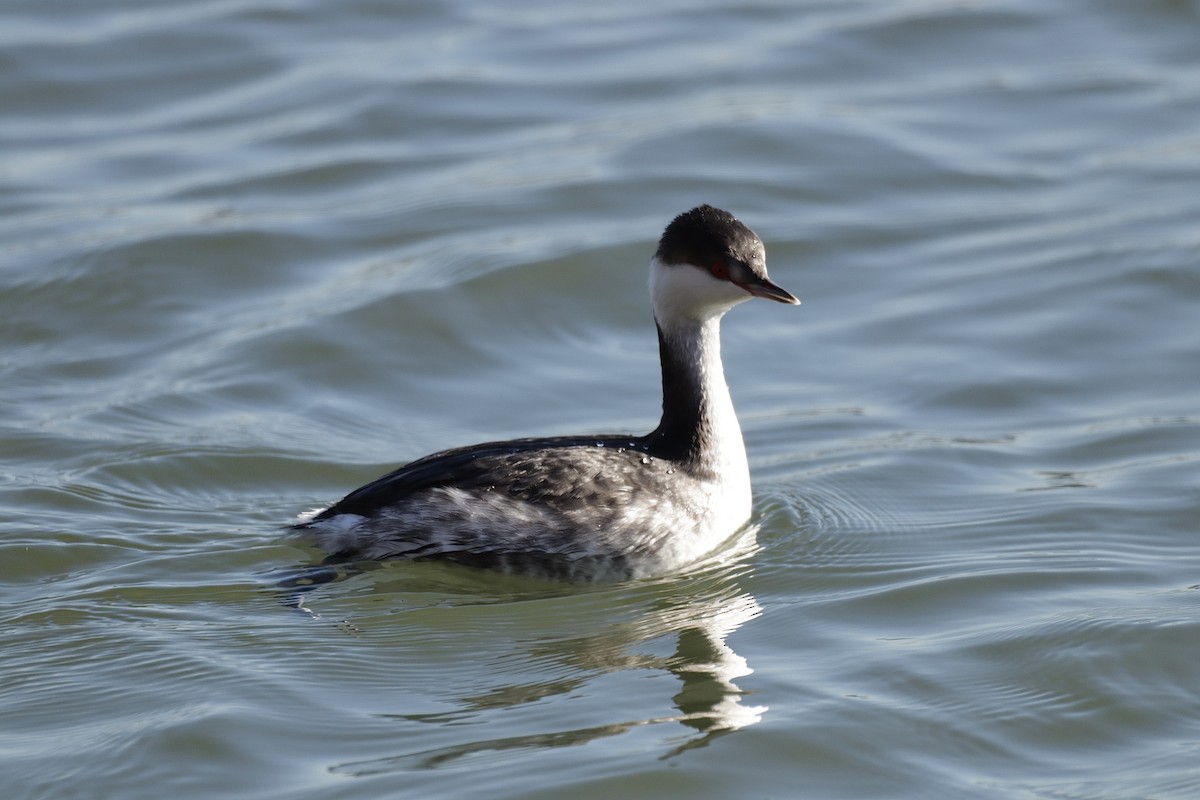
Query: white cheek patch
[683,291]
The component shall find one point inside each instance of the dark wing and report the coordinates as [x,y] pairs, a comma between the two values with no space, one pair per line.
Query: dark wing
[463,467]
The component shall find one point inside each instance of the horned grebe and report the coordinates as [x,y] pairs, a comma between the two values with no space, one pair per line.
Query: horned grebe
[592,507]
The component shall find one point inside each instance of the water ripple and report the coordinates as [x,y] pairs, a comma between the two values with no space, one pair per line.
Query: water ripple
[258,253]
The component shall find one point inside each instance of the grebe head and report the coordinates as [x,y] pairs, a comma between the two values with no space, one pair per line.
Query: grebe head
[707,262]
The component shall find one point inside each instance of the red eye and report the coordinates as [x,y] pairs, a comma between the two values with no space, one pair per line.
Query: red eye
[720,270]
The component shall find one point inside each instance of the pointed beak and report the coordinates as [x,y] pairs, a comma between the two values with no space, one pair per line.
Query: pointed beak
[740,274]
[761,287]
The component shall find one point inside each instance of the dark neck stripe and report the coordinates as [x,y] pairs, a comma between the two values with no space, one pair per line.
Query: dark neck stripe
[683,432]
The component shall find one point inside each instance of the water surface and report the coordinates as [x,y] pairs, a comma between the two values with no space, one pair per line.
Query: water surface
[257,253]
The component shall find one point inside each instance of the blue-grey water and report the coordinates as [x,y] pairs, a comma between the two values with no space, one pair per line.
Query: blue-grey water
[254,253]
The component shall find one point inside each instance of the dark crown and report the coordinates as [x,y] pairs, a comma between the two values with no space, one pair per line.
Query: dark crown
[705,235]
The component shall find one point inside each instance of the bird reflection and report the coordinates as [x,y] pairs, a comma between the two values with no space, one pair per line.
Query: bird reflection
[710,701]
[684,635]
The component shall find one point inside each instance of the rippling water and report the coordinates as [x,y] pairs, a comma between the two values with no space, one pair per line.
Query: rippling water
[256,253]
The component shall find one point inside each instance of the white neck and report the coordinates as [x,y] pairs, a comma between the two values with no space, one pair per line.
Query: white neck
[698,413]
